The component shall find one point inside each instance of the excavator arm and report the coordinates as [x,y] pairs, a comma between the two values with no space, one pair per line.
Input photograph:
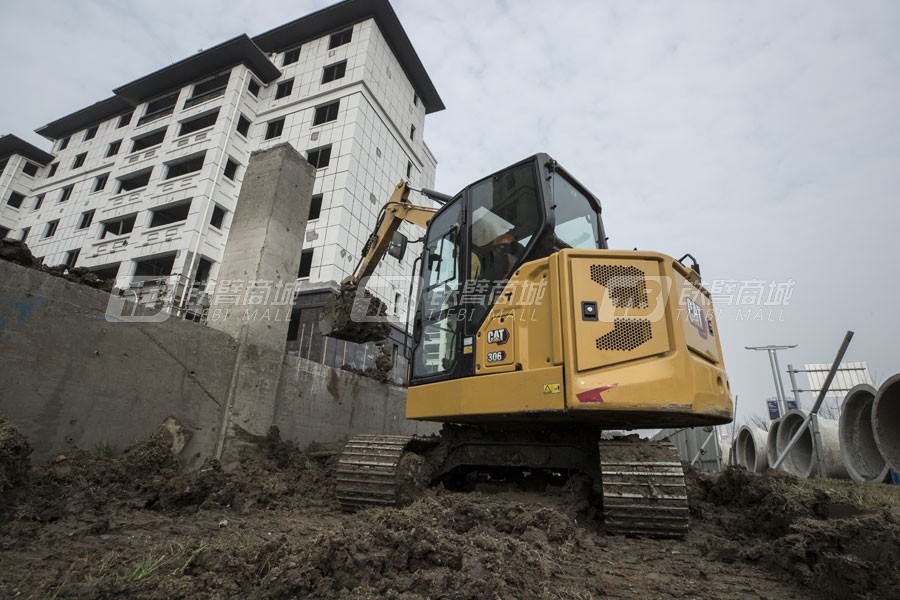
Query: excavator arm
[397,210]
[337,316]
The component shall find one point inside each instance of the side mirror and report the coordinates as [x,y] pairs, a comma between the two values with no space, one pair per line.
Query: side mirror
[397,247]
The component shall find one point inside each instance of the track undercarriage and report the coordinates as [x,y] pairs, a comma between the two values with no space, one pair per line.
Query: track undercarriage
[638,485]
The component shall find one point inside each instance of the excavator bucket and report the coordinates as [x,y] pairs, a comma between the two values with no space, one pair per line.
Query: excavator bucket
[354,315]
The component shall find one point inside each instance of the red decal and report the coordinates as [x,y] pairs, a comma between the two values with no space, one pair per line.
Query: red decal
[594,394]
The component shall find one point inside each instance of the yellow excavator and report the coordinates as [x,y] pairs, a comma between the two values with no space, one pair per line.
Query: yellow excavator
[530,339]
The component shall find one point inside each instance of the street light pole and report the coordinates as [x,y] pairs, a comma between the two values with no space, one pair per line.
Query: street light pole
[776,371]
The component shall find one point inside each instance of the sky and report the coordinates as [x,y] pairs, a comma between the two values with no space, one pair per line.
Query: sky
[762,137]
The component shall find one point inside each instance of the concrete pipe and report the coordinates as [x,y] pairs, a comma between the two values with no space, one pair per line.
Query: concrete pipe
[862,458]
[750,451]
[772,451]
[886,420]
[800,461]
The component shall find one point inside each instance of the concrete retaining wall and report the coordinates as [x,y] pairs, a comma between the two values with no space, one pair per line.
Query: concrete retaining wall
[320,404]
[69,378]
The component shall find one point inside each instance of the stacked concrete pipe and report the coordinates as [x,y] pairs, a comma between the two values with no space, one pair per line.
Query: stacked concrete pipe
[772,450]
[862,457]
[750,449]
[800,460]
[886,420]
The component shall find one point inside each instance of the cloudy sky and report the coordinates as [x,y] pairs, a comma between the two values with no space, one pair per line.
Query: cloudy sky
[763,137]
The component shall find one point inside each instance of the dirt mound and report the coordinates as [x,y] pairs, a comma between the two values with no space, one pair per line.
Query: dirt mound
[14,452]
[813,530]
[453,546]
[16,251]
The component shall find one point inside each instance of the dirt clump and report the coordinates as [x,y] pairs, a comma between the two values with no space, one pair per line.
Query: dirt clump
[338,319]
[814,531]
[14,453]
[16,251]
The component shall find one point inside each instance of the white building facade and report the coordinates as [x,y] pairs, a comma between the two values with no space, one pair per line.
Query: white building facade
[145,183]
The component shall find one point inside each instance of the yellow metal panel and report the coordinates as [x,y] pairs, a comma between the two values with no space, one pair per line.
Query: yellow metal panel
[496,344]
[524,310]
[501,393]
[628,297]
[695,316]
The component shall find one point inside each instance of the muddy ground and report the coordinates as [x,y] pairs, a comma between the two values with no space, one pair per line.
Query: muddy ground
[97,524]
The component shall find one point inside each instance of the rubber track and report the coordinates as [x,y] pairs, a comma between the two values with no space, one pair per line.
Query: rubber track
[646,498]
[367,471]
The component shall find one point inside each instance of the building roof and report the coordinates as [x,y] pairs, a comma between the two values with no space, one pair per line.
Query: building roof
[11,144]
[239,50]
[339,16]
[84,118]
[252,53]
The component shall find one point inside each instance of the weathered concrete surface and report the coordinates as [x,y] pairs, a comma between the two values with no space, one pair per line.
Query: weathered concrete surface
[862,458]
[886,420]
[263,252]
[750,449]
[68,377]
[321,404]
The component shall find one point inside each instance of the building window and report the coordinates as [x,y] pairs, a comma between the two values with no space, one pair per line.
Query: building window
[3,163]
[207,90]
[173,213]
[320,157]
[326,113]
[274,128]
[243,125]
[122,226]
[53,168]
[38,201]
[290,57]
[4,233]
[72,257]
[125,120]
[159,108]
[64,143]
[198,123]
[66,193]
[204,266]
[25,233]
[315,207]
[113,148]
[148,140]
[91,133]
[218,216]
[15,200]
[184,166]
[408,170]
[160,266]
[305,264]
[335,71]
[87,218]
[100,182]
[340,38]
[134,181]
[412,132]
[30,169]
[231,169]
[50,231]
[79,160]
[284,89]
[415,99]
[253,87]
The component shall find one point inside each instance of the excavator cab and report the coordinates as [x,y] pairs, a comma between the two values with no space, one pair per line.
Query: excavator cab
[476,242]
